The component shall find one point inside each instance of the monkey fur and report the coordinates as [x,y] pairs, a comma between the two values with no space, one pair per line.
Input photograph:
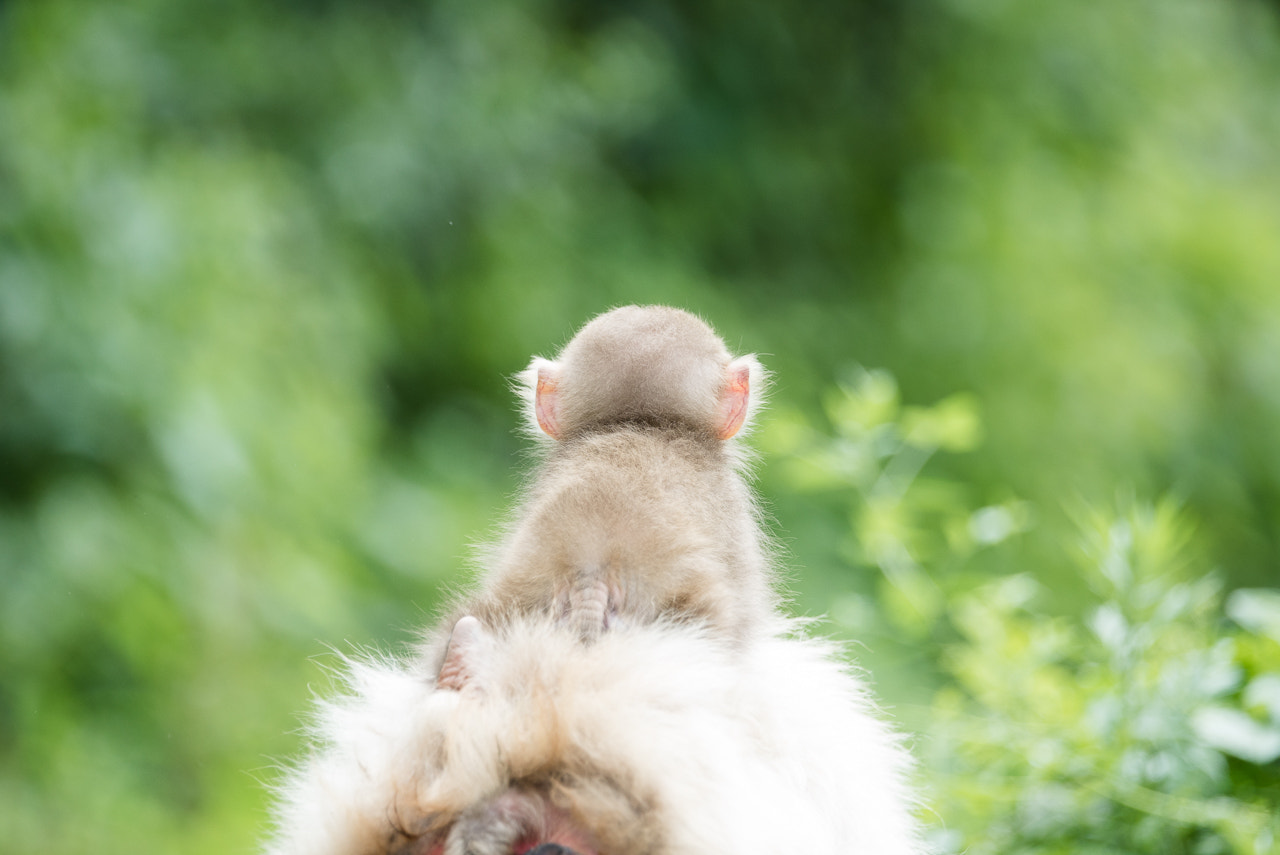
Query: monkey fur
[621,683]
[639,509]
[657,739]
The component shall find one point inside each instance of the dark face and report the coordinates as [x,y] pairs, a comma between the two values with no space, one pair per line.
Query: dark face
[520,821]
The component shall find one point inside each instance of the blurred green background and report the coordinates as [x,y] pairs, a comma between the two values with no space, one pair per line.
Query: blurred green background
[266,268]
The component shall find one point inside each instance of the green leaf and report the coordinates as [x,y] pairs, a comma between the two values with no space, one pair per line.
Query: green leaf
[952,424]
[1234,732]
[1264,692]
[1257,610]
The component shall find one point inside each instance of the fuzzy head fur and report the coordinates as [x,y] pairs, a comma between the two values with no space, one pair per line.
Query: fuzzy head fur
[640,510]
[656,740]
[649,364]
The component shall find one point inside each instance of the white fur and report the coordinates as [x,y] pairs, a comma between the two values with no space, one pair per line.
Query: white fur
[768,749]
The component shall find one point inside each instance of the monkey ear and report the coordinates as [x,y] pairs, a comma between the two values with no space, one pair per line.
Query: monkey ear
[735,400]
[546,398]
[464,657]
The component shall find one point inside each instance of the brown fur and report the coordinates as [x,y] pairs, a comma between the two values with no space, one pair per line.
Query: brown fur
[639,511]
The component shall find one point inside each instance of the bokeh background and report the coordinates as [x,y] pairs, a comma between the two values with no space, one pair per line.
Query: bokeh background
[266,267]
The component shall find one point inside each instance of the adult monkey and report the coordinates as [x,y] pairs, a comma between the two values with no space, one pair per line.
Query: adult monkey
[656,739]
[691,721]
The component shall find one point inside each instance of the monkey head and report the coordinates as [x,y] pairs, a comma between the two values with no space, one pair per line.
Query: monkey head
[644,364]
[655,740]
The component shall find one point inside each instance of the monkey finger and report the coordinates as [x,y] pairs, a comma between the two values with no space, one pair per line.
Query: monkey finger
[461,658]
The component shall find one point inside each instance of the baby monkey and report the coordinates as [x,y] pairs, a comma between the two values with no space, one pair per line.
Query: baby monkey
[639,511]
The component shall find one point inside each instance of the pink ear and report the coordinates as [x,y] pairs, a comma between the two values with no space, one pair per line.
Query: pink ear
[734,400]
[547,402]
[461,659]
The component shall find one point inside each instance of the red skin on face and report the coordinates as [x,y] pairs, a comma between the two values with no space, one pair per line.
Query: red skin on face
[557,827]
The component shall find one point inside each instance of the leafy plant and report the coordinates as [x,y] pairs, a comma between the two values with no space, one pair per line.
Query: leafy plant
[1145,722]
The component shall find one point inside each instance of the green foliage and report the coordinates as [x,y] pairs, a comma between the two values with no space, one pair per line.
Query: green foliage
[1144,723]
[916,531]
[1109,731]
